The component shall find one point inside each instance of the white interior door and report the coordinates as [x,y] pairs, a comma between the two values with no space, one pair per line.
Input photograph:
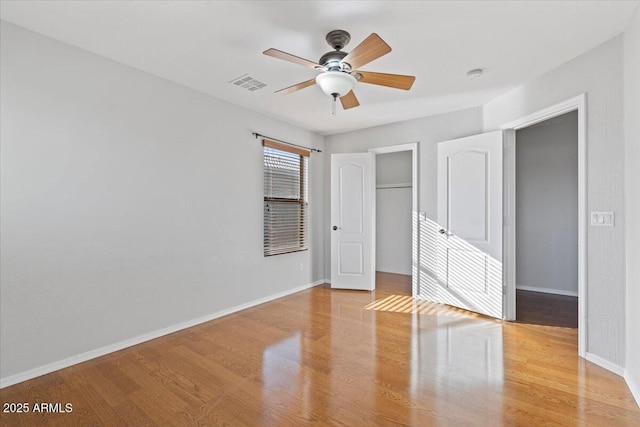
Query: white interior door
[469,242]
[353,221]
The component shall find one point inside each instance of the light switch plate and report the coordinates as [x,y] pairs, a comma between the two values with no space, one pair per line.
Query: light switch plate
[602,219]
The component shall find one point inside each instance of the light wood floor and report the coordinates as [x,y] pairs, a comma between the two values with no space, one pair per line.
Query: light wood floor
[323,357]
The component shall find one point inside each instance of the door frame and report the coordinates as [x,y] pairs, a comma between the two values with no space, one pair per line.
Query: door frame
[415,238]
[578,104]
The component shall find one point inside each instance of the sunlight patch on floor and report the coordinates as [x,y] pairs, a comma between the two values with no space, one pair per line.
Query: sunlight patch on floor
[409,304]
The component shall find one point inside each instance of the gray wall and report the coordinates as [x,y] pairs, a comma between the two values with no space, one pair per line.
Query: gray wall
[547,206]
[599,74]
[129,204]
[427,132]
[393,213]
[632,198]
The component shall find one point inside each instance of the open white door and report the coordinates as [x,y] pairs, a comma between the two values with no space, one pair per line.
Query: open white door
[469,248]
[353,221]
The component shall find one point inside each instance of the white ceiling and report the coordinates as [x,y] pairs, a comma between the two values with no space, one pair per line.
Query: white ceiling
[205,44]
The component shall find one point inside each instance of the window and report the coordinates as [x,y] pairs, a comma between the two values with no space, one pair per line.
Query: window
[285,198]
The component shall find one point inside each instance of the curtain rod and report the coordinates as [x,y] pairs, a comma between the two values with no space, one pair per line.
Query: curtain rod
[257,135]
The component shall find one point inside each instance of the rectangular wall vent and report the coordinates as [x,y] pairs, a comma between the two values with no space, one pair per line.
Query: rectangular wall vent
[247,82]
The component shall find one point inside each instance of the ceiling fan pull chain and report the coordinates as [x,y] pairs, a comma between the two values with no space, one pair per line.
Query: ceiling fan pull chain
[333,104]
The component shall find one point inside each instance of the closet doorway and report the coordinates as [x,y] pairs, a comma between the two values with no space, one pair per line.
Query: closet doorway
[547,222]
[393,212]
[396,216]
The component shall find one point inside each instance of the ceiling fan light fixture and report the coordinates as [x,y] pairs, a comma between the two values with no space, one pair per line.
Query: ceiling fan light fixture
[336,83]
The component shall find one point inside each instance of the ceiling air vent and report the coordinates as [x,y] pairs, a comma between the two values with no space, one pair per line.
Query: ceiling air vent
[247,82]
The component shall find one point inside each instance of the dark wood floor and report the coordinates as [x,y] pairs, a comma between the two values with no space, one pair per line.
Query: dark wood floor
[546,309]
[348,358]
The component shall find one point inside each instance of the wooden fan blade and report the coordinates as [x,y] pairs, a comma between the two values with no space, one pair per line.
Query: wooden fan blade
[373,47]
[349,101]
[275,53]
[397,81]
[296,87]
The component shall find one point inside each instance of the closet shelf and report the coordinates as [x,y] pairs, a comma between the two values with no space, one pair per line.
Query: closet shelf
[400,185]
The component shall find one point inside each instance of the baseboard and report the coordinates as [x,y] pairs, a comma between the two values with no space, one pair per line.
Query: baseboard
[393,272]
[603,363]
[547,290]
[633,386]
[92,354]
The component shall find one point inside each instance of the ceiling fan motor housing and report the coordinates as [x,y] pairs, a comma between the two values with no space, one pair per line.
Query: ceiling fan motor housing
[332,60]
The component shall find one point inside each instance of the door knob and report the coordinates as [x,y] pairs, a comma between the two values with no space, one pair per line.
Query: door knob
[445,232]
[335,227]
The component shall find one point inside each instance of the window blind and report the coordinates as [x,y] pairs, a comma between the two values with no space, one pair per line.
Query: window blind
[285,198]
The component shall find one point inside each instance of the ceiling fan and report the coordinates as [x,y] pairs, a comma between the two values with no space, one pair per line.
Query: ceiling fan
[339,70]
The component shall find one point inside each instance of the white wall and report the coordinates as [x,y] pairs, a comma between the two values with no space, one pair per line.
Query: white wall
[599,74]
[632,198]
[393,168]
[393,212]
[547,206]
[427,131]
[129,204]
